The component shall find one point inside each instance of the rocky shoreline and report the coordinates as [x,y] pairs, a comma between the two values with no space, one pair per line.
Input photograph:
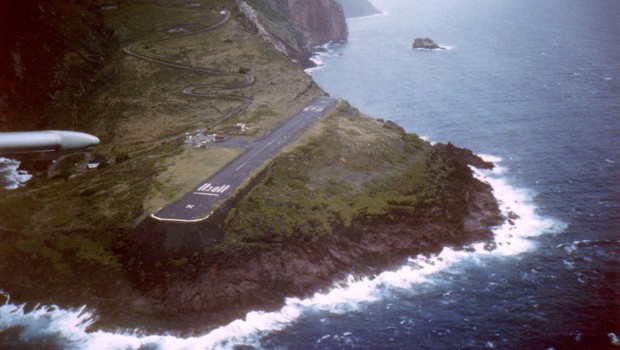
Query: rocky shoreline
[219,287]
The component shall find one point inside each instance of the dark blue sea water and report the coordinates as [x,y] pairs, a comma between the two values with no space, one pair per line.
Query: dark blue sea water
[534,85]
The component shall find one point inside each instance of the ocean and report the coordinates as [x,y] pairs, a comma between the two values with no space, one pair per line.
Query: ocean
[531,85]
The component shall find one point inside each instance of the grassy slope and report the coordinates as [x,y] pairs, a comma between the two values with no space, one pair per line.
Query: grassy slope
[57,228]
[348,167]
[324,180]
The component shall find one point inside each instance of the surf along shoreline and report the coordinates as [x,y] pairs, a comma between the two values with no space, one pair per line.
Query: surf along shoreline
[77,325]
[234,285]
[213,286]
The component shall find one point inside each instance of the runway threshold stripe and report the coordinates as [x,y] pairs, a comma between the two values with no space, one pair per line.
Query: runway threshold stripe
[204,187]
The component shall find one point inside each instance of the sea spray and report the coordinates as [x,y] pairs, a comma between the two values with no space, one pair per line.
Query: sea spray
[67,327]
[511,238]
[320,52]
[10,177]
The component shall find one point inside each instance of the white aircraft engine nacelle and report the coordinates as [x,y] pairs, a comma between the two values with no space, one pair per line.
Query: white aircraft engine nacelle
[45,141]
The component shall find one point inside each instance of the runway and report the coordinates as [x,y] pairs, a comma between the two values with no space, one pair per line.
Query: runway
[200,203]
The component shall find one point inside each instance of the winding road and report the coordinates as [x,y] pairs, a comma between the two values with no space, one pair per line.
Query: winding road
[191,90]
[200,203]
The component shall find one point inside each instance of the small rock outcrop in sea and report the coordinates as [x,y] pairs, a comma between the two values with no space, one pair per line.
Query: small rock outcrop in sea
[425,43]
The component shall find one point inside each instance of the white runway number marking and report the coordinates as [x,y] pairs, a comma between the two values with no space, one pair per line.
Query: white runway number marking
[317,109]
[209,190]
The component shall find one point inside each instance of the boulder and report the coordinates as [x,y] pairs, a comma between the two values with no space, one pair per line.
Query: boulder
[425,43]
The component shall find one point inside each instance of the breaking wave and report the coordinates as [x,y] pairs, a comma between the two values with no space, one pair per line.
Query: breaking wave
[321,52]
[10,177]
[514,237]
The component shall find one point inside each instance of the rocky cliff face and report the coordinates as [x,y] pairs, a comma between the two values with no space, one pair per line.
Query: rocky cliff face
[320,20]
[232,285]
[358,8]
[297,26]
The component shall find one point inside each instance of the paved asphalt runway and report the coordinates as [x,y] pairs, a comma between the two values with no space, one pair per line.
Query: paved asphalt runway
[201,202]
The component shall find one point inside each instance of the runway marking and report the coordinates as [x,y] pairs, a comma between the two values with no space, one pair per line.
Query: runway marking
[241,166]
[209,189]
[267,145]
[154,216]
[317,109]
[287,131]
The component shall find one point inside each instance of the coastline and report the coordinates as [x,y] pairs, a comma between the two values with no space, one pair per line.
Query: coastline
[373,227]
[197,300]
[213,282]
[219,286]
[490,293]
[240,328]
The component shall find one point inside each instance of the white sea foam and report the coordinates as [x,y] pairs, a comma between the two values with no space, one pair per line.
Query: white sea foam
[490,158]
[325,50]
[318,61]
[14,178]
[497,170]
[511,238]
[427,139]
[517,204]
[67,325]
[441,48]
[382,13]
[613,338]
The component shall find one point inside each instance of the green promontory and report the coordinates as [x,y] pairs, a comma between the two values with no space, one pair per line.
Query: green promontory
[354,195]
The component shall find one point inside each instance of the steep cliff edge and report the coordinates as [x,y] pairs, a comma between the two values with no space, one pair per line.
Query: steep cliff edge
[296,25]
[358,8]
[320,20]
[355,196]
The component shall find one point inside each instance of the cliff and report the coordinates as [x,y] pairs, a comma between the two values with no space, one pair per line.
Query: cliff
[296,25]
[54,51]
[358,8]
[320,20]
[332,206]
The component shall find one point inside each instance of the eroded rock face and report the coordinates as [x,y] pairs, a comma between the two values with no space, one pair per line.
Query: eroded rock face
[297,27]
[320,20]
